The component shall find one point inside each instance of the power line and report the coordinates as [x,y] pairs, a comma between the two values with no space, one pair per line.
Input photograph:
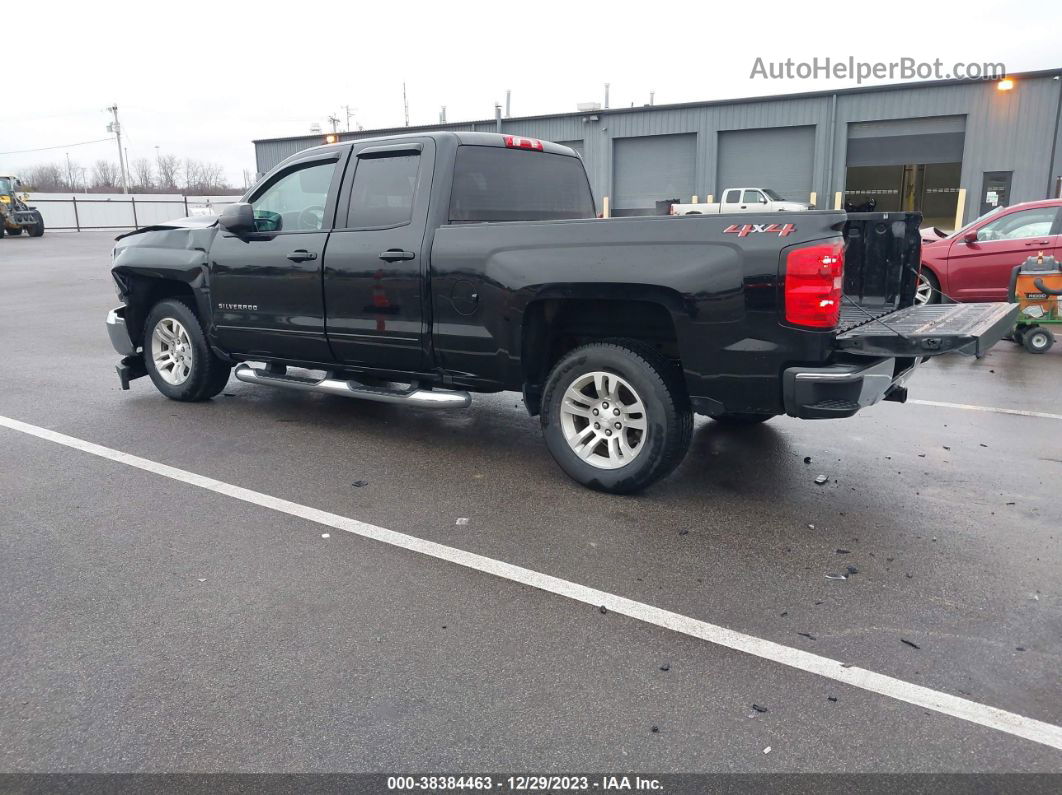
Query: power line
[61,146]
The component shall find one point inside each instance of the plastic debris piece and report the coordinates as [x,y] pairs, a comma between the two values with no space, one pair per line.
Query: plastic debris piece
[945,447]
[784,613]
[655,729]
[359,483]
[767,750]
[807,635]
[326,535]
[842,551]
[910,643]
[1011,503]
[836,576]
[758,708]
[602,610]
[811,527]
[821,479]
[1019,648]
[831,698]
[807,459]
[684,532]
[202,579]
[852,570]
[462,520]
[665,667]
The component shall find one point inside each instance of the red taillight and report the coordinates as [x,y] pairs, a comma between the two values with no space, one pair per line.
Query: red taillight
[813,277]
[516,142]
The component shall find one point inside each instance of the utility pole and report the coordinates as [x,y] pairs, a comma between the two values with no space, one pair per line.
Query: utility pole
[350,113]
[442,115]
[405,102]
[652,96]
[497,116]
[606,96]
[508,99]
[116,128]
[334,121]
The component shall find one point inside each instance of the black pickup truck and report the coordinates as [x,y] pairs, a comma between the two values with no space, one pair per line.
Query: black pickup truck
[419,268]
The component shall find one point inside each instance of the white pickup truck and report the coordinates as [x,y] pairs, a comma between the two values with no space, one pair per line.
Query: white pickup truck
[742,200]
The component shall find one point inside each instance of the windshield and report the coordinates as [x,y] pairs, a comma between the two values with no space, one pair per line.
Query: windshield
[976,221]
[773,195]
[5,185]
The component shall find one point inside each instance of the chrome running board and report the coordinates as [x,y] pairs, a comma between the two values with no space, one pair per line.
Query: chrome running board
[414,396]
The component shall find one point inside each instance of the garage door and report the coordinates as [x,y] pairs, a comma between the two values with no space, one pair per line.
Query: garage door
[899,142]
[780,158]
[651,169]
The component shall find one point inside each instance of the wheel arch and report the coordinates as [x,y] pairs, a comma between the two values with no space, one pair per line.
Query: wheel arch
[554,324]
[142,287]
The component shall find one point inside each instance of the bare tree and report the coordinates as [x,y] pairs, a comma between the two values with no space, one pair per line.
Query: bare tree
[73,175]
[212,177]
[192,180]
[248,179]
[143,174]
[46,178]
[105,174]
[169,166]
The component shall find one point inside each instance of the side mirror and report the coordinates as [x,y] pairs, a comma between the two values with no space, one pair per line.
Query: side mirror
[970,237]
[237,218]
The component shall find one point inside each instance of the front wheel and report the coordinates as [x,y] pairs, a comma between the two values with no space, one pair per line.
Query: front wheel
[928,290]
[1038,340]
[37,228]
[615,416]
[177,356]
[15,231]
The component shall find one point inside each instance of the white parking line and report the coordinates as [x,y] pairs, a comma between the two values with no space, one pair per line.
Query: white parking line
[964,709]
[992,409]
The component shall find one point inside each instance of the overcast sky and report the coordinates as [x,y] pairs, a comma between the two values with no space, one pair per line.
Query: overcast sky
[203,79]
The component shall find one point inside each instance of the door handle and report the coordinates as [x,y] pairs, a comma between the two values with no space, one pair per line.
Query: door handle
[301,255]
[1039,243]
[395,254]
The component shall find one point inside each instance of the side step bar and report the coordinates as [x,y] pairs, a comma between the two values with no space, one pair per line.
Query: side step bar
[414,396]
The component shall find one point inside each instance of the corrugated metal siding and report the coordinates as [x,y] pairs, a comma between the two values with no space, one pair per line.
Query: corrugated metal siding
[1005,131]
[653,168]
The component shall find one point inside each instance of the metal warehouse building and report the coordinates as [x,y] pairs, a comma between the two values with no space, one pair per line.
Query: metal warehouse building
[944,147]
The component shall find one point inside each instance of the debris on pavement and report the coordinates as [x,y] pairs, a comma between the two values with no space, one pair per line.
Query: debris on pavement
[665,667]
[758,708]
[811,527]
[1019,648]
[831,698]
[602,610]
[684,532]
[821,479]
[836,576]
[202,579]
[326,535]
[852,570]
[462,520]
[807,635]
[655,729]
[842,551]
[910,643]
[359,483]
[767,750]
[807,459]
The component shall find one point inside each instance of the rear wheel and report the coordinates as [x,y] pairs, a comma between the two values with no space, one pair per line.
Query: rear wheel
[928,290]
[615,416]
[1038,340]
[177,356]
[739,418]
[15,231]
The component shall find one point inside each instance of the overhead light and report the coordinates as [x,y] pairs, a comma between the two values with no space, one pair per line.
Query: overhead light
[1006,84]
[330,138]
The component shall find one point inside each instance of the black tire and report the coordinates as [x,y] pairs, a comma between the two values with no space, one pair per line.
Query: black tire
[15,232]
[926,278]
[738,419]
[37,230]
[1017,335]
[1037,340]
[2,229]
[207,374]
[656,382]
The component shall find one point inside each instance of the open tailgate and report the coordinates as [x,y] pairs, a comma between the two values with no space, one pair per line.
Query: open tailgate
[928,330]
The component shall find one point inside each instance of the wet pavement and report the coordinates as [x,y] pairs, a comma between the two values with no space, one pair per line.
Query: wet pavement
[150,625]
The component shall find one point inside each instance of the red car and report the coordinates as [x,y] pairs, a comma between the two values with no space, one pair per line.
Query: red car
[975,263]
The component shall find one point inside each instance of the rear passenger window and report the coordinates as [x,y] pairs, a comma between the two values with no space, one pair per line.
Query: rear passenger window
[731,197]
[382,194]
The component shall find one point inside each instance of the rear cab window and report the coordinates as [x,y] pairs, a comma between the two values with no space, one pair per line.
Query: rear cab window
[496,184]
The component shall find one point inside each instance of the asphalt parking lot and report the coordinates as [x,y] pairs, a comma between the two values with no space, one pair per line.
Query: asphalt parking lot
[154,625]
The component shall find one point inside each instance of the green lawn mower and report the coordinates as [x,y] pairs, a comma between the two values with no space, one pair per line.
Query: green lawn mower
[15,214]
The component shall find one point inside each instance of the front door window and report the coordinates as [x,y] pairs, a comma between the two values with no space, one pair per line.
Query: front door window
[296,201]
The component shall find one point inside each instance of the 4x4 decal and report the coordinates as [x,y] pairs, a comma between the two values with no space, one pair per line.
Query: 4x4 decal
[743,230]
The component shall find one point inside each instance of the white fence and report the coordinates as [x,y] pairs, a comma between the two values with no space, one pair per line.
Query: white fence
[120,210]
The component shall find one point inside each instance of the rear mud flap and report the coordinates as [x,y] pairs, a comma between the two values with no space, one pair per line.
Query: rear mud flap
[931,330]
